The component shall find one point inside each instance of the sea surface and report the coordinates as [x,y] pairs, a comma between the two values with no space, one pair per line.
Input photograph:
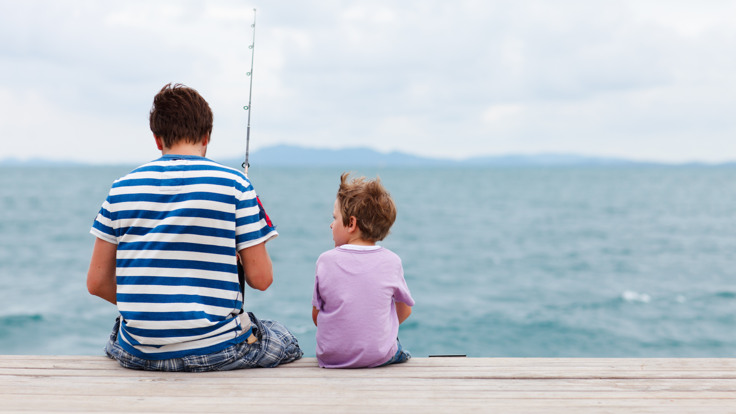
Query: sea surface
[502,262]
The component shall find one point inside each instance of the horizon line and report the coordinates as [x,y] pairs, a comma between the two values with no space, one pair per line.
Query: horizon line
[524,158]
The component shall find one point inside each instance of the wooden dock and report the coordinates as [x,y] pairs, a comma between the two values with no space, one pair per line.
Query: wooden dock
[442,385]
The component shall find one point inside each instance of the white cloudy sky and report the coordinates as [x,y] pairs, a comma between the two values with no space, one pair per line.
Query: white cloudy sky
[641,79]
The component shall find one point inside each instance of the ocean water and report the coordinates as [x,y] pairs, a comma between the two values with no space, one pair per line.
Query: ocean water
[537,262]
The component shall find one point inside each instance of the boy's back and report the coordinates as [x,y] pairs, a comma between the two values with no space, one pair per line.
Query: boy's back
[355,290]
[360,295]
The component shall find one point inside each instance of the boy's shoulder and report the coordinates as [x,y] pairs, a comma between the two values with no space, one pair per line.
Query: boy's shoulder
[353,250]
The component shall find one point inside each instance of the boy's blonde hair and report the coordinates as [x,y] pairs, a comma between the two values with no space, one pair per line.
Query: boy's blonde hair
[370,203]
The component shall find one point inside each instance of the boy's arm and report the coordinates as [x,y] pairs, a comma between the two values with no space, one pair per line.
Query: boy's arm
[101,274]
[402,311]
[315,312]
[257,266]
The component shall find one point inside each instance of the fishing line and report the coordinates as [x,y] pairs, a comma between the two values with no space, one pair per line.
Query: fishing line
[252,48]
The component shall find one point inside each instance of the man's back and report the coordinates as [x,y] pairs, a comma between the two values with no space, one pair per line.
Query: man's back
[177,222]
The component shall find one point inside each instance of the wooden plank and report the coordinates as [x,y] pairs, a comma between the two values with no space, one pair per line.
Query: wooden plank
[697,364]
[479,375]
[577,364]
[488,368]
[550,385]
[339,404]
[110,386]
[353,391]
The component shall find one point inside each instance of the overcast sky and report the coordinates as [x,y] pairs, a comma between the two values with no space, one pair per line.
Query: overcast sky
[649,80]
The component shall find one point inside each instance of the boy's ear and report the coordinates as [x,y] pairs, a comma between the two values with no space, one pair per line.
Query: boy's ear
[352,223]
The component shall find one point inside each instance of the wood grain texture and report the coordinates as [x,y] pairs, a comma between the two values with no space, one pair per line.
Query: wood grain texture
[529,385]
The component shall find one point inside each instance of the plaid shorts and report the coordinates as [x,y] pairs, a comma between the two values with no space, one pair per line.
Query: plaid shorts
[275,345]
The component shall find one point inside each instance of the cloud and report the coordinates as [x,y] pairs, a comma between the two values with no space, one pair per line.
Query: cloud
[641,79]
[497,113]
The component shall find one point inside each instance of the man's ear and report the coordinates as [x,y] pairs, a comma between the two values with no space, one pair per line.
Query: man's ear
[159,142]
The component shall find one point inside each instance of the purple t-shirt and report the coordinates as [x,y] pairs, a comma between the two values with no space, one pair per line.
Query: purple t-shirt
[354,291]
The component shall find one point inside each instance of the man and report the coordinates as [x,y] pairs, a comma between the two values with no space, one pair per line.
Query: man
[169,238]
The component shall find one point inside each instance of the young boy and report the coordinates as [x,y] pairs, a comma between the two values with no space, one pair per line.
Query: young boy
[360,295]
[169,237]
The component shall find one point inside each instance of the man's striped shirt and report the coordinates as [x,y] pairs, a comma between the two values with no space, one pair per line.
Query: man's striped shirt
[178,222]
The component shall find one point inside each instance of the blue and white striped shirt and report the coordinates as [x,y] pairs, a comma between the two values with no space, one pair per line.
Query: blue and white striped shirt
[178,222]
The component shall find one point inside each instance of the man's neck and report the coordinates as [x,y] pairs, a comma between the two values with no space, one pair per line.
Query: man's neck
[186,148]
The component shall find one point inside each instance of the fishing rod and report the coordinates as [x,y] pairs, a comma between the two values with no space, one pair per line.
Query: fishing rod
[252,48]
[246,164]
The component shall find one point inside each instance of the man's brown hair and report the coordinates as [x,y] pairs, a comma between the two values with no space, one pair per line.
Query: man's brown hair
[180,113]
[370,203]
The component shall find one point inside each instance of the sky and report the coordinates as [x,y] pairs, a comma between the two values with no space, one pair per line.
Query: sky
[638,79]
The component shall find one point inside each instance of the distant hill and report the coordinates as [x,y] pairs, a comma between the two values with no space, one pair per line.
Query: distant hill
[288,155]
[283,155]
[550,160]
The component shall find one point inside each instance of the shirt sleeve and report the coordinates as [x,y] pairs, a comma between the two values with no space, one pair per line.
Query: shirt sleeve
[103,227]
[253,225]
[402,294]
[317,301]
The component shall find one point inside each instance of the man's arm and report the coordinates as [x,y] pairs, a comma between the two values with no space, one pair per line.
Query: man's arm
[257,266]
[402,311]
[101,274]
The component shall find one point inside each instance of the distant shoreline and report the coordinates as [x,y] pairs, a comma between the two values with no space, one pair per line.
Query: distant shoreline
[288,155]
